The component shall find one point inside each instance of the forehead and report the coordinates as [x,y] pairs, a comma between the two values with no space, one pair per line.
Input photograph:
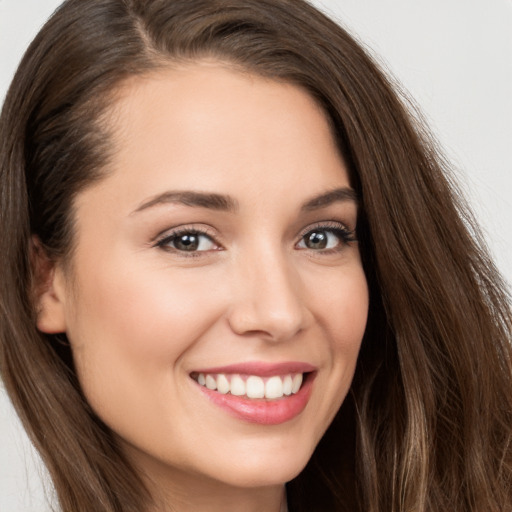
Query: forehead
[206,126]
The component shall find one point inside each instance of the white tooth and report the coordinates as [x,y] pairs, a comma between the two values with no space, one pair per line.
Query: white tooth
[297,382]
[211,383]
[287,385]
[274,388]
[237,386]
[255,387]
[201,379]
[222,384]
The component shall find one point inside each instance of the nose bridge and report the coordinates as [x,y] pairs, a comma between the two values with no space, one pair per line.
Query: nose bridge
[269,300]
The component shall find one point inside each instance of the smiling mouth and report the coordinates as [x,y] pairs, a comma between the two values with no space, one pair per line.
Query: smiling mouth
[252,386]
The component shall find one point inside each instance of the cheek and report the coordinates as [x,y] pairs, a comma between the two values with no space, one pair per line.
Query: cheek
[129,329]
[144,313]
[343,315]
[130,332]
[341,305]
[348,325]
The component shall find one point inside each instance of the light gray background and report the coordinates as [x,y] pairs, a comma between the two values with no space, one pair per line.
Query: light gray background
[455,59]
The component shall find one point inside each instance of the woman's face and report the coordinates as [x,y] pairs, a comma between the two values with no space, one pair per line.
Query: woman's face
[218,252]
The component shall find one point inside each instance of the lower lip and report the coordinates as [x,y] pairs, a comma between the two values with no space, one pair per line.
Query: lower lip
[262,411]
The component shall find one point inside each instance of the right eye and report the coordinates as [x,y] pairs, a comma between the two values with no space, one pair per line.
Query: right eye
[190,241]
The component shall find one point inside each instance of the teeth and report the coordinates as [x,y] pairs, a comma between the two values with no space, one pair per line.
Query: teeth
[297,382]
[237,386]
[287,385]
[222,384]
[252,386]
[274,388]
[211,383]
[255,387]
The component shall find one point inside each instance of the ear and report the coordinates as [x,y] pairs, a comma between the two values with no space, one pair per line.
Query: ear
[48,290]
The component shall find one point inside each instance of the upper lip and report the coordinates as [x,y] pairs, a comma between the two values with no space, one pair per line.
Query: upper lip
[260,368]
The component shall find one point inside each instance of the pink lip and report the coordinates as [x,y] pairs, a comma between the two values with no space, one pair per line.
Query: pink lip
[260,368]
[263,411]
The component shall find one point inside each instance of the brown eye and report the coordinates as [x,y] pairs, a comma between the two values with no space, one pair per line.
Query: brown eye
[326,238]
[188,241]
[316,240]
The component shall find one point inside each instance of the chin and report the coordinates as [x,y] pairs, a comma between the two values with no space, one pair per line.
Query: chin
[276,467]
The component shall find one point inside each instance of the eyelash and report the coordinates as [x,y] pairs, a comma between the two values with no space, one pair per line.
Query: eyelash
[344,234]
[168,238]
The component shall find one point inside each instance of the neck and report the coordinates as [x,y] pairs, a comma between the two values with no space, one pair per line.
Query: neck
[220,498]
[179,491]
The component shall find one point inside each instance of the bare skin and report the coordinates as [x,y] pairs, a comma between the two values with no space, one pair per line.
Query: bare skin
[223,234]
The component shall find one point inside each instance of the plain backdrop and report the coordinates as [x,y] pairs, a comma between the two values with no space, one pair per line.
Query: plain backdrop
[454,57]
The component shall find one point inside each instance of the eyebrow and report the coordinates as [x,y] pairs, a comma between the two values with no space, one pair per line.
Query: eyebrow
[342,194]
[220,202]
[210,201]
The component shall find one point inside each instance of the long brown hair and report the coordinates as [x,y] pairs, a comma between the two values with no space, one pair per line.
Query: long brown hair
[427,424]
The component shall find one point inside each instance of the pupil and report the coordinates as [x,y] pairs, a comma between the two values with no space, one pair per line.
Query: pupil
[187,242]
[317,240]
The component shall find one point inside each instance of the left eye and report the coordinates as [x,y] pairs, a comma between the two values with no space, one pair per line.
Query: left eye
[322,239]
[189,241]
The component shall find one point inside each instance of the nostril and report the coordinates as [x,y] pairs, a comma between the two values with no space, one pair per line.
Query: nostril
[266,321]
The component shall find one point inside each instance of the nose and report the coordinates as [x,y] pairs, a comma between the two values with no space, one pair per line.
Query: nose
[268,300]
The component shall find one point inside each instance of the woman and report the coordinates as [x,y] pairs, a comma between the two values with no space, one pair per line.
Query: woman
[179,334]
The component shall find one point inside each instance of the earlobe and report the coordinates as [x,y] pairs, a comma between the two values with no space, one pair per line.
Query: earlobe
[48,291]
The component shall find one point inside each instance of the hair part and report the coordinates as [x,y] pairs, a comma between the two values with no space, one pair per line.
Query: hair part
[427,423]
